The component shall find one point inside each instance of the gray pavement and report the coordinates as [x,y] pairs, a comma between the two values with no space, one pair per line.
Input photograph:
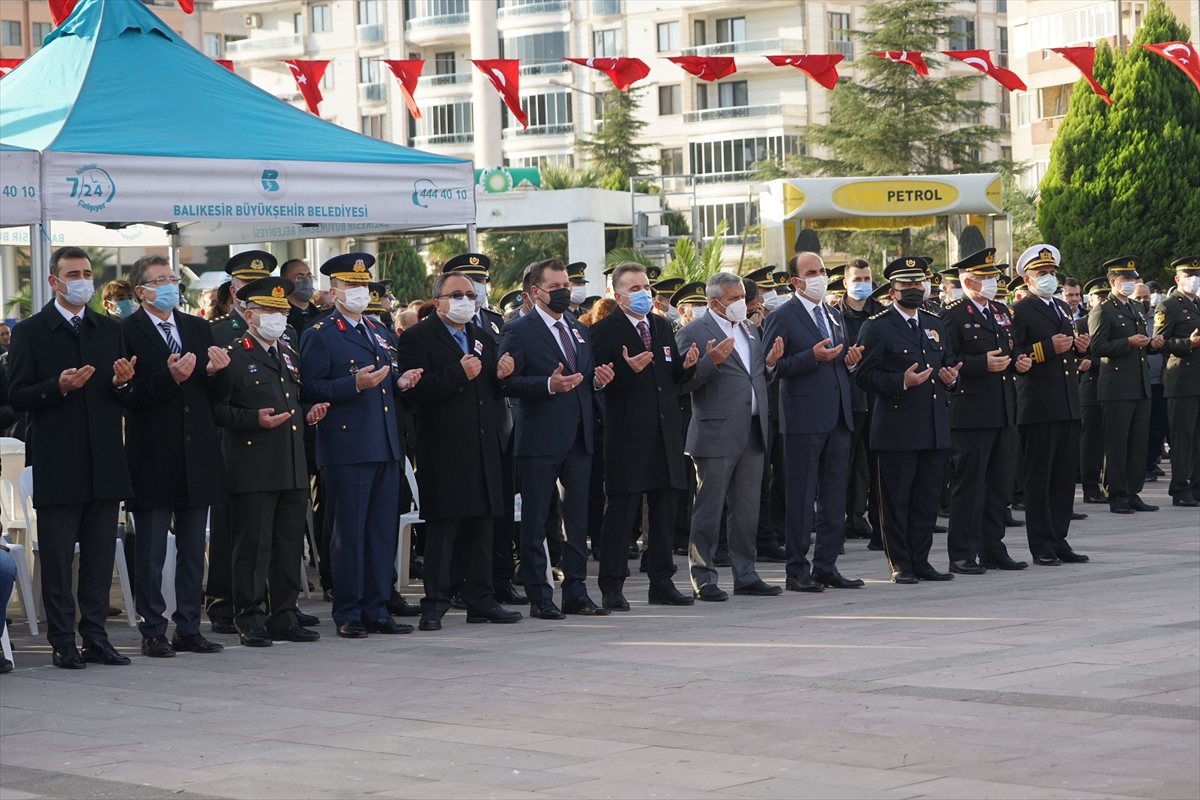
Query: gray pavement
[1076,681]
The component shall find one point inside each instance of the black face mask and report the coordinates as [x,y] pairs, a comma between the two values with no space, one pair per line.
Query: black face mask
[1146,306]
[560,300]
[911,298]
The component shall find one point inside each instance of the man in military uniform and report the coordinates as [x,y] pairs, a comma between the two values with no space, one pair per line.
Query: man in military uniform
[1119,339]
[218,591]
[1048,410]
[983,416]
[908,365]
[346,363]
[1177,321]
[264,457]
[1091,437]
[952,288]
[577,274]
[662,292]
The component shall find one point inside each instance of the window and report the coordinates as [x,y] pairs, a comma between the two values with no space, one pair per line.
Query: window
[368,70]
[1022,110]
[1001,47]
[322,20]
[699,34]
[962,34]
[327,77]
[839,36]
[732,93]
[10,33]
[40,31]
[671,160]
[1001,6]
[297,23]
[537,48]
[1005,153]
[1053,101]
[444,120]
[373,125]
[212,45]
[606,7]
[368,12]
[607,43]
[669,100]
[701,96]
[1005,110]
[444,64]
[548,109]
[734,214]
[668,37]
[734,159]
[732,29]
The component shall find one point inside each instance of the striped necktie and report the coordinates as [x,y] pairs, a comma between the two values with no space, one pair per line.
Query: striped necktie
[172,342]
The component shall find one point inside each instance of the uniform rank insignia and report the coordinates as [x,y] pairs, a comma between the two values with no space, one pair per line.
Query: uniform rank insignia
[495,328]
[235,324]
[341,326]
[247,343]
[932,334]
[252,367]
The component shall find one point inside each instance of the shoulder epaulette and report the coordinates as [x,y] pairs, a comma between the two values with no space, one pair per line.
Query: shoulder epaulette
[229,347]
[878,315]
[218,319]
[316,326]
[952,304]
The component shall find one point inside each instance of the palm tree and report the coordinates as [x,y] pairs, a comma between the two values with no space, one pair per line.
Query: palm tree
[693,266]
[21,302]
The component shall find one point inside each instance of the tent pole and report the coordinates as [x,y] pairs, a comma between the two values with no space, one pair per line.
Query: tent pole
[472,238]
[1008,228]
[39,265]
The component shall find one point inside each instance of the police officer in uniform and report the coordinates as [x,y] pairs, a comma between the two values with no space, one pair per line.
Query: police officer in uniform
[983,418]
[908,365]
[345,362]
[577,276]
[1120,340]
[1177,321]
[1091,438]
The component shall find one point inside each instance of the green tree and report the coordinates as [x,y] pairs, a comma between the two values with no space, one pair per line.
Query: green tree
[404,267]
[512,252]
[1020,206]
[615,150]
[693,265]
[1125,179]
[970,241]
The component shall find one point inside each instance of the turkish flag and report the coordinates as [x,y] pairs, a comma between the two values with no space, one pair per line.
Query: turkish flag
[7,65]
[982,61]
[188,6]
[60,10]
[905,57]
[225,62]
[407,73]
[706,68]
[623,72]
[308,77]
[821,69]
[503,73]
[1083,58]
[1182,55]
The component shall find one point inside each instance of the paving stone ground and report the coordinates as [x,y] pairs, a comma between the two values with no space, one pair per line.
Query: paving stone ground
[1081,681]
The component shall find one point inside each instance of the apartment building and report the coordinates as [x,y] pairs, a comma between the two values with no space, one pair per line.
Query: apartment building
[1037,26]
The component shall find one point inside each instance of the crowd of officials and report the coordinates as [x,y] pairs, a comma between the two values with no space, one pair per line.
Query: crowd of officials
[760,418]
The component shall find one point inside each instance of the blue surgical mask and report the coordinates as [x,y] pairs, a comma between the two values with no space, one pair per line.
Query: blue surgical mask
[641,302]
[860,291]
[125,308]
[165,297]
[78,292]
[1045,285]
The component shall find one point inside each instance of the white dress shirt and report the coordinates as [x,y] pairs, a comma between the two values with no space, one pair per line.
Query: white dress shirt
[68,315]
[741,343]
[817,309]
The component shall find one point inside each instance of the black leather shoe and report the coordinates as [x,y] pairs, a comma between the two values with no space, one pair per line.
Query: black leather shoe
[194,643]
[223,626]
[967,568]
[584,608]
[1186,502]
[835,580]
[1012,522]
[615,601]
[458,603]
[676,551]
[721,559]
[306,620]
[498,615]
[68,657]
[1018,506]
[875,545]
[1076,516]
[1150,478]
[101,652]
[669,596]
[759,588]
[157,647]
[387,625]
[940,529]
[804,583]
[327,596]
[507,594]
[352,630]
[6,666]
[933,575]
[904,577]
[634,552]
[294,633]
[1069,556]
[402,608]
[772,555]
[545,610]
[1094,497]
[1157,470]
[255,637]
[710,593]
[1003,562]
[1121,508]
[1047,561]
[1137,505]
[430,622]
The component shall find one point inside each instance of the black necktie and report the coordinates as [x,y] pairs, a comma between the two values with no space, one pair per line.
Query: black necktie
[912,323]
[76,322]
[363,330]
[567,346]
[271,352]
[172,342]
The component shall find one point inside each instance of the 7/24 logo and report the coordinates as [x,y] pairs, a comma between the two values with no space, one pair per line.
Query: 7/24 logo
[93,188]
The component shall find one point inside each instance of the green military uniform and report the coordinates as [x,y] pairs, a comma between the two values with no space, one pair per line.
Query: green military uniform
[268,477]
[1091,439]
[1177,320]
[1123,386]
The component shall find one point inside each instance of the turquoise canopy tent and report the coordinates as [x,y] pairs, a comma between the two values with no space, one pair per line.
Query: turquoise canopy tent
[133,124]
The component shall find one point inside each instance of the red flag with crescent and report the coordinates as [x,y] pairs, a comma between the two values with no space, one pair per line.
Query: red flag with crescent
[308,77]
[623,72]
[504,75]
[906,57]
[1084,59]
[7,65]
[706,68]
[406,73]
[821,68]
[982,61]
[1182,55]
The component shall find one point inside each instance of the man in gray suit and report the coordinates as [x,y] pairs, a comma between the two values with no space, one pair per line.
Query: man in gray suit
[727,435]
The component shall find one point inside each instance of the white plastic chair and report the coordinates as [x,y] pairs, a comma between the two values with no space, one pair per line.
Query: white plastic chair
[11,464]
[5,646]
[407,520]
[24,586]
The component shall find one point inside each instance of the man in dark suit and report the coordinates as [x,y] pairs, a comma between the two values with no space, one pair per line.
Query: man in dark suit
[301,309]
[1048,411]
[458,449]
[554,376]
[1091,434]
[68,371]
[264,455]
[1177,320]
[1121,341]
[983,418]
[345,362]
[643,446]
[174,452]
[908,365]
[817,417]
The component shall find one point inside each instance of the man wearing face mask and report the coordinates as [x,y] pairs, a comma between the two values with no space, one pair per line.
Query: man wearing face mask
[1048,410]
[301,309]
[577,271]
[816,419]
[345,362]
[1091,433]
[1121,341]
[1143,295]
[1177,320]
[663,292]
[174,452]
[983,418]
[119,300]
[908,365]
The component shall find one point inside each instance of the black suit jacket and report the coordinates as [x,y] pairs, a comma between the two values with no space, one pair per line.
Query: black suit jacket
[172,441]
[1049,391]
[643,446]
[74,442]
[493,326]
[981,399]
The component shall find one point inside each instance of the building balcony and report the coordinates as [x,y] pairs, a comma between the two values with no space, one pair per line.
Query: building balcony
[772,46]
[369,34]
[529,9]
[372,93]
[453,79]
[255,48]
[444,139]
[546,68]
[738,112]
[561,129]
[437,28]
[605,8]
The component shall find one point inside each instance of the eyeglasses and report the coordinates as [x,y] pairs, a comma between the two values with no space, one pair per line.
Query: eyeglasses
[161,282]
[458,296]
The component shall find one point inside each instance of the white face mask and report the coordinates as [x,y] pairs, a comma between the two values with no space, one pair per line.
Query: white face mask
[735,312]
[578,294]
[953,294]
[815,286]
[271,326]
[673,313]
[772,300]
[1127,288]
[1045,285]
[480,294]
[1190,285]
[461,311]
[1155,299]
[698,313]
[78,292]
[926,290]
[989,288]
[355,299]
